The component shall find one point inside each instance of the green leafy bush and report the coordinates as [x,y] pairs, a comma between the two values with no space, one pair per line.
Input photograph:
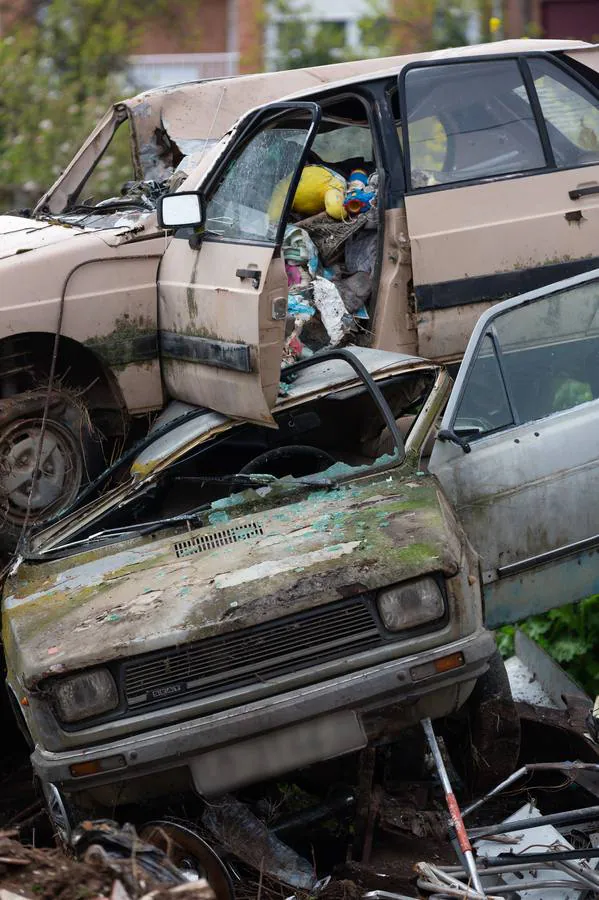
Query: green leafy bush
[570,634]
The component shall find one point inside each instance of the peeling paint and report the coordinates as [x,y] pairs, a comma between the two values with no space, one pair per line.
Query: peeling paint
[140,596]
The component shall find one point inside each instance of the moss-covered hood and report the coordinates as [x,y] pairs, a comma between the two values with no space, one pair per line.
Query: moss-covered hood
[242,569]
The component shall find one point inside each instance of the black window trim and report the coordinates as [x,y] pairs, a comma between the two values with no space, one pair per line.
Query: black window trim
[554,57]
[271,112]
[492,334]
[369,101]
[519,302]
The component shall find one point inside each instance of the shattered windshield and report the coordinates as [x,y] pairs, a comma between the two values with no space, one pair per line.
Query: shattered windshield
[336,436]
[113,197]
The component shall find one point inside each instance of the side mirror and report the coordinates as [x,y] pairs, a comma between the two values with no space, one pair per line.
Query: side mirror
[187,208]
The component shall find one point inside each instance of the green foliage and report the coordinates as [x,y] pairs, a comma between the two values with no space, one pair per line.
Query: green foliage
[570,634]
[301,41]
[60,69]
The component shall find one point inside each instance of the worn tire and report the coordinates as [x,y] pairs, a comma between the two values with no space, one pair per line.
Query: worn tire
[70,457]
[483,740]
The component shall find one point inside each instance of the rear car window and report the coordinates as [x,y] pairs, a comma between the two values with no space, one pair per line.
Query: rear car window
[535,360]
[469,121]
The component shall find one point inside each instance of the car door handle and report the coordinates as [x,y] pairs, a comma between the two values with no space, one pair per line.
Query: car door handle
[577,193]
[254,274]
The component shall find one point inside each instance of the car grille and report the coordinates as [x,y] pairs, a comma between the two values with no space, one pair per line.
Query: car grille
[252,656]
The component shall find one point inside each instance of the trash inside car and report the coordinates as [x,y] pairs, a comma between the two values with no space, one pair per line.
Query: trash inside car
[369,208]
[252,599]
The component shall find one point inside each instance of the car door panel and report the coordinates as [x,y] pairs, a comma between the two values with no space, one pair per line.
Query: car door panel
[223,293]
[222,348]
[511,231]
[525,491]
[519,500]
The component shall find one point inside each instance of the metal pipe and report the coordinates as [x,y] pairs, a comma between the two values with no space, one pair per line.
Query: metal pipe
[384,895]
[533,767]
[496,790]
[589,876]
[438,874]
[570,817]
[586,875]
[452,806]
[498,889]
[549,856]
[464,892]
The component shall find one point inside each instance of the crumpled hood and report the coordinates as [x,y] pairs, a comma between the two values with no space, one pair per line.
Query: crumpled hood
[150,594]
[20,235]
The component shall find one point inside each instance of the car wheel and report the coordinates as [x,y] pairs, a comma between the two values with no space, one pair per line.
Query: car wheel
[69,457]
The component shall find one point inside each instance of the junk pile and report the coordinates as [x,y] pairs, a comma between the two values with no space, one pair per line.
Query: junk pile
[108,863]
[330,253]
[387,823]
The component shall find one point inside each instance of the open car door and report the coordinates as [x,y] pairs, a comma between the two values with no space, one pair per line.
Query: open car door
[518,453]
[223,287]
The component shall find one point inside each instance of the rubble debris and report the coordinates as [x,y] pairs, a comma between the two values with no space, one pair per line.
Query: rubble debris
[320,189]
[331,307]
[396,818]
[332,291]
[536,831]
[360,193]
[114,847]
[330,236]
[30,872]
[361,249]
[247,837]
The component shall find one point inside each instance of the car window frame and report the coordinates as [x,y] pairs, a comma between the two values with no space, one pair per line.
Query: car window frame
[256,122]
[579,80]
[484,328]
[541,124]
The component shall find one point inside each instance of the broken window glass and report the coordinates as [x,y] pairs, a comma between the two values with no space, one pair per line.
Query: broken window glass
[113,169]
[249,202]
[487,128]
[343,141]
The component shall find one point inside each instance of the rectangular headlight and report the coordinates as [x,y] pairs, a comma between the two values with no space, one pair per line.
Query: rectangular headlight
[410,604]
[83,696]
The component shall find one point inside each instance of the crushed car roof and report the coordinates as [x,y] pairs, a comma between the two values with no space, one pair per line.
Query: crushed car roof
[204,110]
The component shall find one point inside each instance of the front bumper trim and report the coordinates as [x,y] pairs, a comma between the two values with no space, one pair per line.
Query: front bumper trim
[177,745]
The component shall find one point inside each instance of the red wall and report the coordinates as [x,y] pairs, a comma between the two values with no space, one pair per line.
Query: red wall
[570,19]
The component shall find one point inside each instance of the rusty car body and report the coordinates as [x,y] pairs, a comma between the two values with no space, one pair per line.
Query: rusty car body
[249,599]
[131,316]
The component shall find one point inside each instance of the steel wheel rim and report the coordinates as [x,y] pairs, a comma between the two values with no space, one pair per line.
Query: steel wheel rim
[60,471]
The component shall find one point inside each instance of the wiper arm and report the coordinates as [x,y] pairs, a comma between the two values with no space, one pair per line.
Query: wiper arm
[140,528]
[194,516]
[258,478]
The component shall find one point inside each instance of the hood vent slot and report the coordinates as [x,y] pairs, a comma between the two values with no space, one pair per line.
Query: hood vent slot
[216,539]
